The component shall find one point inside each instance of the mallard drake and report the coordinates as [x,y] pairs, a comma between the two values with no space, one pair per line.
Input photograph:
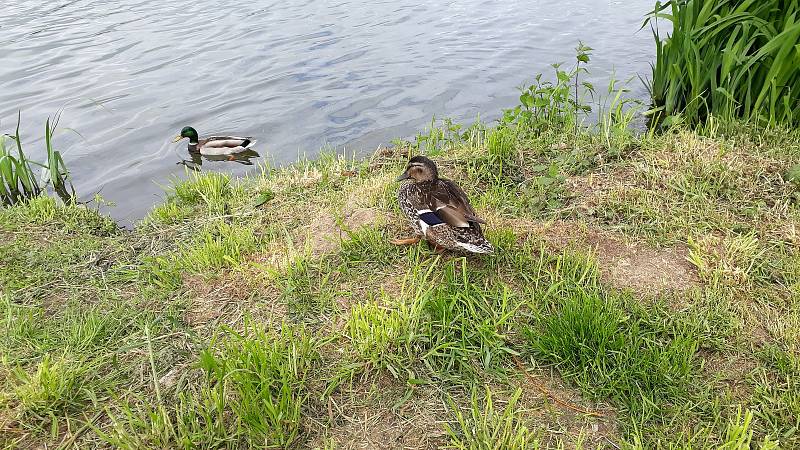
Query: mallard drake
[439,210]
[214,145]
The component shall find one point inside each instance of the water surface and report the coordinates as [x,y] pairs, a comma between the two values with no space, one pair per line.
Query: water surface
[298,75]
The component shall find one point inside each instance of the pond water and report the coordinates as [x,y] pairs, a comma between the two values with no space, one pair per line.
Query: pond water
[297,75]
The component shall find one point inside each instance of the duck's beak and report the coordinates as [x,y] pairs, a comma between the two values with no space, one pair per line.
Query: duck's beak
[177,138]
[404,176]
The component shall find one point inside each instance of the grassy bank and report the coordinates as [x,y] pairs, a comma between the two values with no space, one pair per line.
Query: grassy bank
[644,295]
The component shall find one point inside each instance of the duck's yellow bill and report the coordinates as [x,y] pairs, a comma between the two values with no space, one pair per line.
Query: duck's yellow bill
[177,138]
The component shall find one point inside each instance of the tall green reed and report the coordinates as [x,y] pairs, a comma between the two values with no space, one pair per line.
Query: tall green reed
[733,59]
[18,178]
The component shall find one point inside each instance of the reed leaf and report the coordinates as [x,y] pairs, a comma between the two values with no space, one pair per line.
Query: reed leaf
[735,59]
[18,177]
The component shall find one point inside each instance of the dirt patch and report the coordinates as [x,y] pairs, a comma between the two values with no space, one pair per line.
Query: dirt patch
[5,237]
[361,217]
[585,189]
[228,298]
[325,233]
[550,404]
[731,371]
[52,304]
[625,265]
[364,416]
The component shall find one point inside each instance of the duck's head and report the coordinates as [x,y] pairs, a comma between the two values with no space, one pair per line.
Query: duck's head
[419,169]
[187,132]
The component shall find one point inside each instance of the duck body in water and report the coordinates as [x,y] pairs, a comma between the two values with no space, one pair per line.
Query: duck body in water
[439,210]
[215,145]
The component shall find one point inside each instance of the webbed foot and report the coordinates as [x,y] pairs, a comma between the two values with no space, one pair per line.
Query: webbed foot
[405,241]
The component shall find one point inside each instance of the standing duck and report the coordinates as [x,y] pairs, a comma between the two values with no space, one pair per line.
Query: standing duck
[214,145]
[439,210]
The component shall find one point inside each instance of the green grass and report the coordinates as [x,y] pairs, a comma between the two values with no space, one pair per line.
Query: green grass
[590,339]
[378,335]
[105,339]
[484,427]
[217,247]
[251,393]
[461,326]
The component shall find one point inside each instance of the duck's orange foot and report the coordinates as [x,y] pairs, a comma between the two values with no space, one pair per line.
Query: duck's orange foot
[231,158]
[405,241]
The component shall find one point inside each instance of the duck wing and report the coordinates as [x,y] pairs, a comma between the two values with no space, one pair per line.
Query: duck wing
[449,203]
[223,145]
[227,141]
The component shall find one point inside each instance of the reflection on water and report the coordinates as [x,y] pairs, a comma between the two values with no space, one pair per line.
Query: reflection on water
[195,162]
[295,74]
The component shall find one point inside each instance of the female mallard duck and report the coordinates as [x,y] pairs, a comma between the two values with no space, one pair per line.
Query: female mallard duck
[439,210]
[214,145]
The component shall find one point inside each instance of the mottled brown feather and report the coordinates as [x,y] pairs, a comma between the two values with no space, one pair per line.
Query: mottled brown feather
[449,202]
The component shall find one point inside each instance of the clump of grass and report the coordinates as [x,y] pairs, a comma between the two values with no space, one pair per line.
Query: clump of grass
[486,428]
[216,247]
[738,434]
[219,246]
[211,190]
[727,58]
[201,193]
[779,413]
[368,247]
[438,139]
[266,372]
[461,325]
[617,112]
[21,325]
[378,335]
[499,165]
[170,213]
[777,392]
[60,365]
[252,395]
[46,212]
[306,287]
[734,260]
[195,420]
[593,342]
[158,271]
[55,384]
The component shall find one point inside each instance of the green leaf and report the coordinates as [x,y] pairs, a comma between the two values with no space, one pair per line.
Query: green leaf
[263,198]
[793,174]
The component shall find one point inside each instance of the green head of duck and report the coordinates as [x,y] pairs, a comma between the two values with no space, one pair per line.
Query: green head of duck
[188,132]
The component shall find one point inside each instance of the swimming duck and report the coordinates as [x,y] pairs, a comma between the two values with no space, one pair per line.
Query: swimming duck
[439,210]
[214,145]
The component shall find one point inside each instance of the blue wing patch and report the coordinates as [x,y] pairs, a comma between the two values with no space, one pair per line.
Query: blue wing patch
[430,218]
